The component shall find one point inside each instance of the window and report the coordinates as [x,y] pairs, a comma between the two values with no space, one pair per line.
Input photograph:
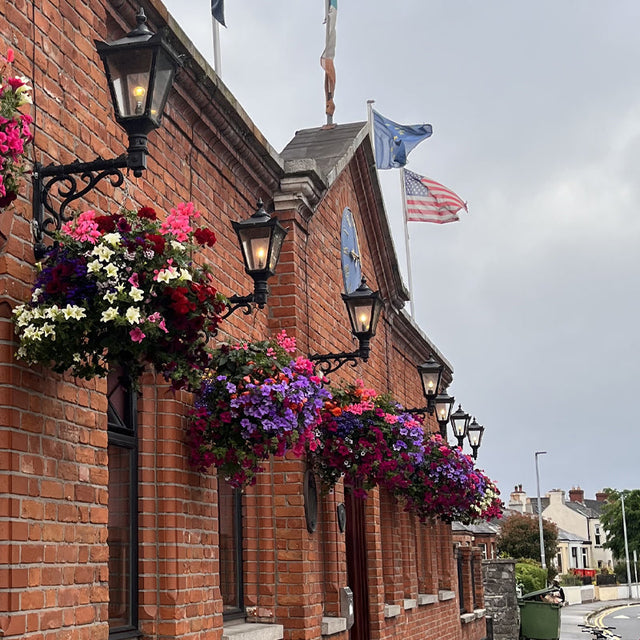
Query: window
[585,562]
[597,535]
[574,557]
[122,528]
[483,547]
[231,569]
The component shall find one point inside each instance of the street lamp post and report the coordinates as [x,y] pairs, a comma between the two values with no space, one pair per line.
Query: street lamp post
[626,543]
[542,558]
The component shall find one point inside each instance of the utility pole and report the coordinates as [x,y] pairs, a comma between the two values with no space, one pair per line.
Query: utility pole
[542,558]
[626,544]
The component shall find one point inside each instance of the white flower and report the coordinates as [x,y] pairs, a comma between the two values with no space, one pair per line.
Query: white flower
[177,246]
[23,92]
[31,333]
[110,297]
[102,252]
[49,330]
[112,238]
[53,312]
[166,275]
[110,314]
[133,315]
[184,274]
[94,266]
[111,270]
[136,294]
[73,311]
[36,294]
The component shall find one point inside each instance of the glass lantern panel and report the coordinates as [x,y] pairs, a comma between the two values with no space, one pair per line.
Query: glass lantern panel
[165,69]
[255,248]
[458,426]
[276,246]
[474,437]
[442,410]
[130,79]
[360,313]
[430,382]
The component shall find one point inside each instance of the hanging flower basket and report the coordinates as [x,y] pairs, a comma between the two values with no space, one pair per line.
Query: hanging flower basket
[447,485]
[256,401]
[369,439]
[123,289]
[15,132]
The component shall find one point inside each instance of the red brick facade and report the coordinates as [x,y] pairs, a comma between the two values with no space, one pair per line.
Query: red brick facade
[54,579]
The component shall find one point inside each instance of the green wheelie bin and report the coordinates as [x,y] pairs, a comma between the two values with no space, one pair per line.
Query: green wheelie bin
[539,619]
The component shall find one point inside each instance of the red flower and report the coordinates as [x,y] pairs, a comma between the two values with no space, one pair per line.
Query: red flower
[106,224]
[157,241]
[205,236]
[147,212]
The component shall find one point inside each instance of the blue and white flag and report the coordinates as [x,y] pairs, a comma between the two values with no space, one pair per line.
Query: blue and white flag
[394,142]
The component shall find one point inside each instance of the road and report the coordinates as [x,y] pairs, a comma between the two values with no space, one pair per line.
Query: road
[625,619]
[604,613]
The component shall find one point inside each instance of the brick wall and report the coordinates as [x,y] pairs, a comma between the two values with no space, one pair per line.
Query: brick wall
[53,453]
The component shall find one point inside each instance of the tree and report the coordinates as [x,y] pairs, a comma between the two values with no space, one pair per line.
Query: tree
[611,520]
[520,538]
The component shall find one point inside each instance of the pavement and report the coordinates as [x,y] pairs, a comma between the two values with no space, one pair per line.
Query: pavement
[577,614]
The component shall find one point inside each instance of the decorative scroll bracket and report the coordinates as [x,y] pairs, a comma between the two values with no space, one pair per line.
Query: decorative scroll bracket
[73,182]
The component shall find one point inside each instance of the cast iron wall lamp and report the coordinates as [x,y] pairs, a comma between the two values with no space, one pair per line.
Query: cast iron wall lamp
[364,307]
[460,424]
[260,239]
[474,434]
[140,69]
[438,403]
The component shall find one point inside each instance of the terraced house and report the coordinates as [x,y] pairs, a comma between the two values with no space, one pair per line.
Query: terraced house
[109,529]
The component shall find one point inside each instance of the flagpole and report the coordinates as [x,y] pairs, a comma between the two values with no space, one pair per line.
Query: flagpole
[370,104]
[406,242]
[217,64]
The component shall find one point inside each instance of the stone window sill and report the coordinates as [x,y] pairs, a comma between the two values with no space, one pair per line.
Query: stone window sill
[253,631]
[332,624]
[443,595]
[427,598]
[392,610]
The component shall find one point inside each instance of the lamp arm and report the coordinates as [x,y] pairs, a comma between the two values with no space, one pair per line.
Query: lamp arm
[69,190]
[239,302]
[327,363]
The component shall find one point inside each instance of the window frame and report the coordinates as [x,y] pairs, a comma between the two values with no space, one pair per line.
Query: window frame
[236,515]
[122,432]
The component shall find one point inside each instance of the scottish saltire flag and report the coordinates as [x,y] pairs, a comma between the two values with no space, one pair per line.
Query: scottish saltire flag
[394,142]
[428,201]
[328,55]
[217,11]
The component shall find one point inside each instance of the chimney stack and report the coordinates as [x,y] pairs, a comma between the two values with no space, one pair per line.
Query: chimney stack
[601,496]
[576,495]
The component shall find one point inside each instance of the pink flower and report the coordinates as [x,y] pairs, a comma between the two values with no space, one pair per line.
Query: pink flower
[178,222]
[137,335]
[83,228]
[287,343]
[133,280]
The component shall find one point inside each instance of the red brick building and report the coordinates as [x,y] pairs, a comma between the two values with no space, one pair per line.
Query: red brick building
[106,529]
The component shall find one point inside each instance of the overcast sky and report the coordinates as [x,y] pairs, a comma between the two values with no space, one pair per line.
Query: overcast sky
[534,295]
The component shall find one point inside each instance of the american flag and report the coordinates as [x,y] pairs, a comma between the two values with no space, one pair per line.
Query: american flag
[428,201]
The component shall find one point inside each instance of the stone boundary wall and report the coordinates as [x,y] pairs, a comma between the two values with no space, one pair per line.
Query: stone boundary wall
[501,603]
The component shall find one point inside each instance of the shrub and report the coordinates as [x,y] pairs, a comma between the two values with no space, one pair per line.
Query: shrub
[531,575]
